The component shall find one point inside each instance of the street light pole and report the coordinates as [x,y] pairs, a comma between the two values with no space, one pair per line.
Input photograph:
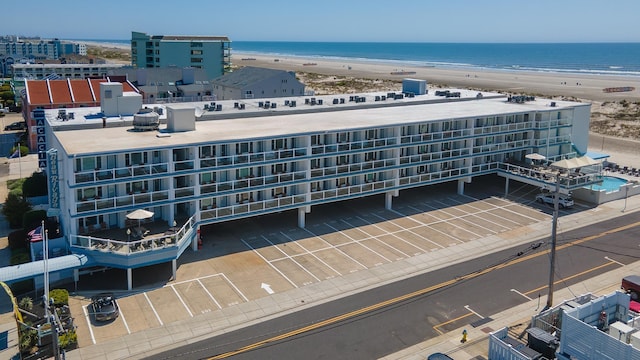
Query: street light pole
[554,229]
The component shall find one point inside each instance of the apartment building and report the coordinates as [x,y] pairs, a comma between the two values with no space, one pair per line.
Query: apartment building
[211,53]
[192,164]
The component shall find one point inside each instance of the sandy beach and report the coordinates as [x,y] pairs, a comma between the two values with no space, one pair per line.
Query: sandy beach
[589,87]
[581,87]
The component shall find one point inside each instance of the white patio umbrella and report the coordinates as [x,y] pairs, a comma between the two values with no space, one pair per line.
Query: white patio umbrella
[139,215]
[535,156]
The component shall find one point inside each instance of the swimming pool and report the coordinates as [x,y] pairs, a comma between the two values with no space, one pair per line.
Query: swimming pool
[609,183]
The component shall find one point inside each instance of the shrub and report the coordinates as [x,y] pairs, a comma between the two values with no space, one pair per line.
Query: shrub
[26,303]
[35,185]
[19,256]
[68,340]
[15,186]
[60,297]
[33,218]
[17,239]
[14,208]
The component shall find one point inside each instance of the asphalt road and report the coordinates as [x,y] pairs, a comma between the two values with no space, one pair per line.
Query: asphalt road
[384,320]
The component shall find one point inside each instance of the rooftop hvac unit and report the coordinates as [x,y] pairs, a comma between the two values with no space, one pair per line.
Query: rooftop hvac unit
[146,121]
[621,331]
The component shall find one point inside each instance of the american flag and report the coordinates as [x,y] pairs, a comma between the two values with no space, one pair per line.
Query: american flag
[35,235]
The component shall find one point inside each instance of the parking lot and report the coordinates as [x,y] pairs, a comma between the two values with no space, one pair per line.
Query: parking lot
[250,259]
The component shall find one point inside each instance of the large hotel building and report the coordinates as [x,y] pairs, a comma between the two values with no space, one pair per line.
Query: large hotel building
[192,164]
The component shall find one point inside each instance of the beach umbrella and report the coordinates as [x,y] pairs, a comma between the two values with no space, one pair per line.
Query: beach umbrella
[535,156]
[139,215]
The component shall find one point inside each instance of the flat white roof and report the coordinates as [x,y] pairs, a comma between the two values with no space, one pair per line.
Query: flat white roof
[282,121]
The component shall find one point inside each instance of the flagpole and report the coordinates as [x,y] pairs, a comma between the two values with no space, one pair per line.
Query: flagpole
[20,160]
[45,245]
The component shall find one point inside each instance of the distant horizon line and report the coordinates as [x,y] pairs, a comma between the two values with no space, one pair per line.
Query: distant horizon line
[390,42]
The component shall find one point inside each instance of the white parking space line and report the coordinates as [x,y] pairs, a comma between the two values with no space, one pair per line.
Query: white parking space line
[397,237]
[519,293]
[479,212]
[469,308]
[234,287]
[125,322]
[314,255]
[418,235]
[270,264]
[182,301]
[86,316]
[208,293]
[375,238]
[617,262]
[153,308]
[338,249]
[359,242]
[462,218]
[287,256]
[514,212]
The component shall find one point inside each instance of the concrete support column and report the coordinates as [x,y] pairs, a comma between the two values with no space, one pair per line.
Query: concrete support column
[129,279]
[460,187]
[388,200]
[506,187]
[301,217]
[194,242]
[174,268]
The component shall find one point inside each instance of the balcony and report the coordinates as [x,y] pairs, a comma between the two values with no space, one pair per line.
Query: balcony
[114,247]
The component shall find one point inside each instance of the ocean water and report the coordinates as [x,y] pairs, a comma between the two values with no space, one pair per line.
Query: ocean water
[583,58]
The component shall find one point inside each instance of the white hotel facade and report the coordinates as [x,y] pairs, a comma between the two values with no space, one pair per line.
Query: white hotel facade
[248,158]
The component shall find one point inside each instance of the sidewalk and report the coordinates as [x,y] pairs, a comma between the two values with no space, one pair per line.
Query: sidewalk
[156,340]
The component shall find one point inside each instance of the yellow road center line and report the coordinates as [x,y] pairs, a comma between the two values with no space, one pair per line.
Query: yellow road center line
[404,297]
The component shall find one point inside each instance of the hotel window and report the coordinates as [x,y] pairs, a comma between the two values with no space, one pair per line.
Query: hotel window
[446,126]
[342,160]
[279,192]
[315,163]
[157,52]
[89,193]
[279,144]
[279,168]
[370,156]
[135,158]
[316,140]
[342,137]
[423,129]
[244,173]
[371,134]
[207,204]
[340,182]
[207,151]
[207,178]
[423,149]
[88,163]
[136,187]
[489,140]
[243,148]
[196,60]
[446,146]
[196,52]
[422,169]
[370,178]
[244,197]
[316,186]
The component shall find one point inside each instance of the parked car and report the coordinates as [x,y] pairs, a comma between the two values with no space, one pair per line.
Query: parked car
[18,125]
[104,307]
[547,198]
[439,356]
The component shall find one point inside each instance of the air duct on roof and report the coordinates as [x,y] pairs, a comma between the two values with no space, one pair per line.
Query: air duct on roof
[146,120]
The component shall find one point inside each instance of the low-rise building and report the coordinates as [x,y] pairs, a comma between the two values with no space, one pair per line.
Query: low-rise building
[192,164]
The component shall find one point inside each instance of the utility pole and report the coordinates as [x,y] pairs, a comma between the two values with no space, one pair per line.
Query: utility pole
[554,229]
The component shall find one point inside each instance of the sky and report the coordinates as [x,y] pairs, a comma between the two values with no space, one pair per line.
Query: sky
[520,21]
